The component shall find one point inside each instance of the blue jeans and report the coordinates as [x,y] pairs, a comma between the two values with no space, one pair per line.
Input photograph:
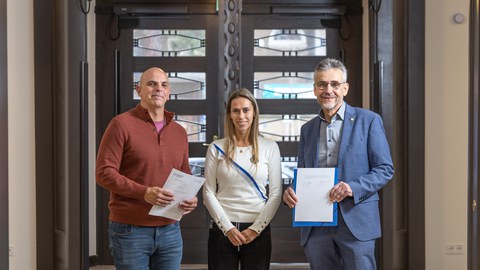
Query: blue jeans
[136,247]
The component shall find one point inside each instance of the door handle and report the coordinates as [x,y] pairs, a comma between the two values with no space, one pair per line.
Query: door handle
[215,137]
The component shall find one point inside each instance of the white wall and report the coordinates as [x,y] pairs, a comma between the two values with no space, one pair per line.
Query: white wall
[21,141]
[446,132]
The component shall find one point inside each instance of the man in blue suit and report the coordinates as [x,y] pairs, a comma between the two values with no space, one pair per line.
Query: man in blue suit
[353,140]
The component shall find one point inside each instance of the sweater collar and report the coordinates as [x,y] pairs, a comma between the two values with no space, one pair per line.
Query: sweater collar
[143,114]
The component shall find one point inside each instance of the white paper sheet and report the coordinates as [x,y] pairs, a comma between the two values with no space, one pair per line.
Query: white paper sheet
[184,187]
[312,188]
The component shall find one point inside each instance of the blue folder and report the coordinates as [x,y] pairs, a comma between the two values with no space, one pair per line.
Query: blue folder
[315,223]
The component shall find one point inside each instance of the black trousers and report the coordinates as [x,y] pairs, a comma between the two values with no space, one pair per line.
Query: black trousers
[222,255]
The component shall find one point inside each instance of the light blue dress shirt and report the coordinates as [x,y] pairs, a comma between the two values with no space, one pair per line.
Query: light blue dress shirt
[330,135]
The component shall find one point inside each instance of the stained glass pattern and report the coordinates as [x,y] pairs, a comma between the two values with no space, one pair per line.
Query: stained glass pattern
[283,85]
[195,125]
[169,43]
[288,169]
[197,165]
[290,42]
[284,128]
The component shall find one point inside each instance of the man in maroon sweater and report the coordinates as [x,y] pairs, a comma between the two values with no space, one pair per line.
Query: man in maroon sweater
[138,150]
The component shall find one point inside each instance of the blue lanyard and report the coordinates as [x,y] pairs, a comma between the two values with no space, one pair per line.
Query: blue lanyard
[245,172]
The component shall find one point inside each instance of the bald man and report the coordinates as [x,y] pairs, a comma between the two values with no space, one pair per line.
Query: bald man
[138,150]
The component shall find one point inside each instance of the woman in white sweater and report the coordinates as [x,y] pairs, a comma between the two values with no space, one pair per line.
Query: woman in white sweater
[238,169]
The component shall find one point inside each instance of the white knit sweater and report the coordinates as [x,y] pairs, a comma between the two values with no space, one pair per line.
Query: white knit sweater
[230,195]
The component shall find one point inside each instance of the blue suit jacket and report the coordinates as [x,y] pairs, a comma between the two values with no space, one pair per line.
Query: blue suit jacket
[364,162]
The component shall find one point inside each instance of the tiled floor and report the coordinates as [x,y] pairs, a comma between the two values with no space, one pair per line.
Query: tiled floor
[291,266]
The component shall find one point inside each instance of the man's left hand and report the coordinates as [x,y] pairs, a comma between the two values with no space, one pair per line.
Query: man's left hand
[340,191]
[189,205]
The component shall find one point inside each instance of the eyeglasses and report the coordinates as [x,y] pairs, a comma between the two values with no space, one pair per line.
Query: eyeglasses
[324,85]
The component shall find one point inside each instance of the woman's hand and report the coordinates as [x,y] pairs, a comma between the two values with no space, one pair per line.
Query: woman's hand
[249,235]
[236,237]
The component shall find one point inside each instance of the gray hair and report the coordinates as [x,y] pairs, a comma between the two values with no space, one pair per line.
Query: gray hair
[329,63]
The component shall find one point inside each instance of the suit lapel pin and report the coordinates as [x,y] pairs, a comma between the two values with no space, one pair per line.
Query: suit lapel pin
[352,119]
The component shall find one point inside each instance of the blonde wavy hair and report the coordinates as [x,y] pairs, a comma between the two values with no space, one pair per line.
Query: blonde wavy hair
[229,128]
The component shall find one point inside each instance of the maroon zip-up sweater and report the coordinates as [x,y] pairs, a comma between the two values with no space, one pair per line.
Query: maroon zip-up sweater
[133,156]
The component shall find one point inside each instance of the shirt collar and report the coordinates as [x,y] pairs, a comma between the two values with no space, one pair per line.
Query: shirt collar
[340,115]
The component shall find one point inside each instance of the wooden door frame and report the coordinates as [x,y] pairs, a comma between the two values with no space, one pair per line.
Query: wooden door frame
[398,29]
[43,117]
[473,140]
[415,119]
[60,135]
[4,253]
